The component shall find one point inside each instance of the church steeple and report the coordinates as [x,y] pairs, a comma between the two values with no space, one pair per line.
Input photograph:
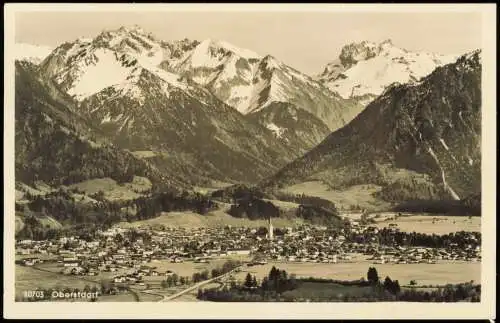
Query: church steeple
[270,230]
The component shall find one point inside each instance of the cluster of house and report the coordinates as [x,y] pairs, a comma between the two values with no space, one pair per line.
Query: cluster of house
[136,276]
[402,255]
[114,249]
[110,254]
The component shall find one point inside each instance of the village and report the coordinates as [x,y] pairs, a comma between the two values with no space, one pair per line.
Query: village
[120,250]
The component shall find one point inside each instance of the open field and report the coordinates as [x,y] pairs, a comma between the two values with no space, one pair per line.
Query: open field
[434,224]
[214,186]
[144,154]
[28,278]
[56,268]
[187,268]
[444,272]
[19,195]
[41,256]
[212,219]
[44,220]
[19,224]
[425,274]
[82,198]
[39,189]
[283,205]
[48,221]
[112,190]
[357,195]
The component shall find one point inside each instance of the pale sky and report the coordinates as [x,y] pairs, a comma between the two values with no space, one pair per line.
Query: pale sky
[306,41]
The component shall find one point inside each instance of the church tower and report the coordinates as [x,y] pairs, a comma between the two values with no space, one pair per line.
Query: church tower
[271,231]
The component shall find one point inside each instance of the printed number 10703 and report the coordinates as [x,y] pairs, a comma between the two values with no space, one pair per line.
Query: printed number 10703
[33,293]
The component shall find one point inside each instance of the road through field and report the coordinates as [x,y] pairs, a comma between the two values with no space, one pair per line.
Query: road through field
[198,285]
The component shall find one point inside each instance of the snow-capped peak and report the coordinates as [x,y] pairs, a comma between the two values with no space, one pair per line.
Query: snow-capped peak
[367,68]
[355,52]
[133,39]
[245,53]
[271,62]
[386,43]
[113,58]
[134,28]
[32,53]
[210,53]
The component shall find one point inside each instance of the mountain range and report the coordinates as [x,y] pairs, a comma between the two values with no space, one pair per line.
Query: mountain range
[117,83]
[253,85]
[59,147]
[191,112]
[365,69]
[418,140]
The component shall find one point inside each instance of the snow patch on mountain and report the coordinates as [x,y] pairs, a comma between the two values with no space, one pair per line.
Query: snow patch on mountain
[115,59]
[239,97]
[107,118]
[278,131]
[245,53]
[229,71]
[202,56]
[107,71]
[209,53]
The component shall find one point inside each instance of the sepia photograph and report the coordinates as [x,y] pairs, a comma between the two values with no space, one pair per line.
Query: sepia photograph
[204,154]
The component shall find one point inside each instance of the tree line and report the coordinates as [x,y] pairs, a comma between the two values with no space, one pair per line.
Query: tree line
[304,199]
[215,272]
[275,283]
[467,207]
[150,207]
[274,287]
[386,236]
[175,280]
[249,202]
[85,219]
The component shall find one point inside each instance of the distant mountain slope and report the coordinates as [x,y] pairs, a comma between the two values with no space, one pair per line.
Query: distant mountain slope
[365,69]
[119,85]
[31,53]
[418,140]
[295,127]
[252,83]
[57,146]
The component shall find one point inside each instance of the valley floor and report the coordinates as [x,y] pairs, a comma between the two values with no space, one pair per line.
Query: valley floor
[429,275]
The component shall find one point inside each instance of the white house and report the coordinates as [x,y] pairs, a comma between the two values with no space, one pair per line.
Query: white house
[238,252]
[71,264]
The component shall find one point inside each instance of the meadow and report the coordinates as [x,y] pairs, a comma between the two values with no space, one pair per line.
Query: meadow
[436,224]
[112,190]
[28,279]
[424,274]
[355,196]
[215,219]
